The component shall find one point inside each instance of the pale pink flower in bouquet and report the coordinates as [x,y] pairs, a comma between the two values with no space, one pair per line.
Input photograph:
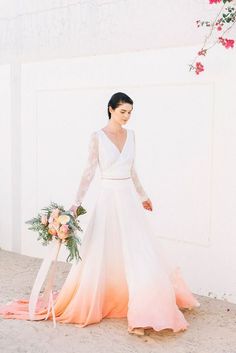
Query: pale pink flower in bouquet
[55,213]
[64,228]
[63,232]
[54,216]
[44,219]
[50,219]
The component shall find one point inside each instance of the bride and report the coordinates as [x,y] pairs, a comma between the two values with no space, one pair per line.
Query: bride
[122,272]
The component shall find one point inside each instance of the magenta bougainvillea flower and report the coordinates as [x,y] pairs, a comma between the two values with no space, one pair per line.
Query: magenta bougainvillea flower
[199,68]
[227,43]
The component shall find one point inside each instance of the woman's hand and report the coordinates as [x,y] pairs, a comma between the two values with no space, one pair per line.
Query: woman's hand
[147,204]
[73,209]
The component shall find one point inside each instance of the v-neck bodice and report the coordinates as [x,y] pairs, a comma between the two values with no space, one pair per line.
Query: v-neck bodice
[127,132]
[112,162]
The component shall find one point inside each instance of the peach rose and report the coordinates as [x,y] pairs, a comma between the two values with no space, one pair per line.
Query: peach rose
[52,230]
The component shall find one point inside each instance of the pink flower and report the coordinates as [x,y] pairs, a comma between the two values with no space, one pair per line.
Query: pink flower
[202,52]
[62,235]
[219,28]
[227,43]
[44,219]
[63,232]
[64,228]
[214,1]
[55,213]
[199,68]
[50,220]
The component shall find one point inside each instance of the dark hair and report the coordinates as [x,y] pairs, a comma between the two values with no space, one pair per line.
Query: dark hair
[118,99]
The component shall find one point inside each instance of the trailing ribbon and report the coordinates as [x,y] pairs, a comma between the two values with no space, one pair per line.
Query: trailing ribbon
[47,298]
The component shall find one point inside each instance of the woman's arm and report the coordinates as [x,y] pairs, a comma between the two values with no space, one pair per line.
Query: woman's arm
[89,170]
[140,190]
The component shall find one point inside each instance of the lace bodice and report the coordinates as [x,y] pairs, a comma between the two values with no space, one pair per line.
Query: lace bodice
[112,163]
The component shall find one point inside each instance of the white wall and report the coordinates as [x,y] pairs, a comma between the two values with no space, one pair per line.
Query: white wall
[39,30]
[5,158]
[185,130]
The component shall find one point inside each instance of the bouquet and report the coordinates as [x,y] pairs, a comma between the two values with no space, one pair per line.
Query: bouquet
[55,222]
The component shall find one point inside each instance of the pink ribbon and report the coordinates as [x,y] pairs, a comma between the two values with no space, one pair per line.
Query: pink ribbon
[47,298]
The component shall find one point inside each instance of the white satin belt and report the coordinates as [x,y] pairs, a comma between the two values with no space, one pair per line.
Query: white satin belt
[116,178]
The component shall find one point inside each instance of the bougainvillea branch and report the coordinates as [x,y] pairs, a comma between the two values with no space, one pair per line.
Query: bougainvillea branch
[223,22]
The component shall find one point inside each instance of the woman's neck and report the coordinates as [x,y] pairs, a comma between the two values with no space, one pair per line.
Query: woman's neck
[114,127]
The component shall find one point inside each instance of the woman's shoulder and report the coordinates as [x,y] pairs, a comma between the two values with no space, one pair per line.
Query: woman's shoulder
[97,132]
[93,137]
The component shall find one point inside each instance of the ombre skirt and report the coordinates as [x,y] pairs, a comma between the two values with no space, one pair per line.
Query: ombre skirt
[123,272]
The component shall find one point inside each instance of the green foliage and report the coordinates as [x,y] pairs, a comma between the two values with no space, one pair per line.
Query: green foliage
[80,211]
[72,247]
[52,206]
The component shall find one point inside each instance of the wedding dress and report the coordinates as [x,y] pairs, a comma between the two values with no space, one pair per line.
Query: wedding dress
[122,272]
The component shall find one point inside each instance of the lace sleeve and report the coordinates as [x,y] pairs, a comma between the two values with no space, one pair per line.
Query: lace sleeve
[89,170]
[141,192]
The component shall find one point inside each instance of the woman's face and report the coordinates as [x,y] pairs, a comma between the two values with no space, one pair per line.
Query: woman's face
[122,113]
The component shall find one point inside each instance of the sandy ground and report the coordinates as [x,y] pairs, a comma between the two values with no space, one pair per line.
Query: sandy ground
[212,326]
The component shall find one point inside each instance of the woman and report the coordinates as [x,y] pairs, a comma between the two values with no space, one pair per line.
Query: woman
[122,273]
